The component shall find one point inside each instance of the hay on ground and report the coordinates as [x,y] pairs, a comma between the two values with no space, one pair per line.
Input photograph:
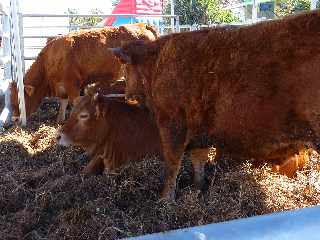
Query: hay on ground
[44,196]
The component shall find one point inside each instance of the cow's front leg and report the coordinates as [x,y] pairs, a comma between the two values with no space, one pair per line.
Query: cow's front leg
[62,110]
[172,140]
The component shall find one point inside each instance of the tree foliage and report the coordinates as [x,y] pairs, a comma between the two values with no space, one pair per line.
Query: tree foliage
[215,12]
[200,12]
[287,7]
[77,22]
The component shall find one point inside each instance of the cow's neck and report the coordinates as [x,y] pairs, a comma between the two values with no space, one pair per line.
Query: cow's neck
[34,101]
[35,77]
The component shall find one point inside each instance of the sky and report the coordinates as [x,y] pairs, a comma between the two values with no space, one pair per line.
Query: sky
[60,6]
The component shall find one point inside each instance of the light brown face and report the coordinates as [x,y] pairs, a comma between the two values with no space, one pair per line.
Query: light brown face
[81,127]
[14,101]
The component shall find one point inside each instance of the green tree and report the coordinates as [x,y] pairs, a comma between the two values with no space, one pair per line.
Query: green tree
[215,12]
[200,12]
[78,22]
[190,11]
[287,7]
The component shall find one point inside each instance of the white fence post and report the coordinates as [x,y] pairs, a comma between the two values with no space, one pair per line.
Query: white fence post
[17,58]
[255,10]
[172,18]
[21,39]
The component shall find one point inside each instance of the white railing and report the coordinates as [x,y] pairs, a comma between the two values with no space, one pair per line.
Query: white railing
[17,52]
[29,32]
[5,59]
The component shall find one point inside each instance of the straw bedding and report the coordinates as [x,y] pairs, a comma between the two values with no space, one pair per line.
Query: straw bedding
[44,196]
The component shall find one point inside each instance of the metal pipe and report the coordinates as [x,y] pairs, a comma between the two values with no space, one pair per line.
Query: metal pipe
[97,15]
[289,225]
[20,22]
[6,60]
[115,95]
[17,60]
[254,11]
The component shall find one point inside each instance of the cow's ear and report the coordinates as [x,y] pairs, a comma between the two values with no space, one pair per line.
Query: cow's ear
[29,89]
[91,89]
[122,29]
[121,55]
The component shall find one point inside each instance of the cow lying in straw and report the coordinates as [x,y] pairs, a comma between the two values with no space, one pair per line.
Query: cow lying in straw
[252,92]
[112,132]
[68,63]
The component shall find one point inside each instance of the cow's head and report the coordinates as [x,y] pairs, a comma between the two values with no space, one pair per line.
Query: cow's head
[138,57]
[140,31]
[28,92]
[81,129]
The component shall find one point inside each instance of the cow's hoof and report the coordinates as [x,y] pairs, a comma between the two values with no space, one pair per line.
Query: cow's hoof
[88,172]
[168,195]
[202,184]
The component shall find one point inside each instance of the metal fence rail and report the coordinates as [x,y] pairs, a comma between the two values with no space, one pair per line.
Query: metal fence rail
[17,62]
[6,62]
[44,17]
[299,224]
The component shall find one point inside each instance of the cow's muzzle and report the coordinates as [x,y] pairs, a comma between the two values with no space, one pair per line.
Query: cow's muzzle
[62,139]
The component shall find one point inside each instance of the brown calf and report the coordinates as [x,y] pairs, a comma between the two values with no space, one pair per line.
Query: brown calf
[111,132]
[252,91]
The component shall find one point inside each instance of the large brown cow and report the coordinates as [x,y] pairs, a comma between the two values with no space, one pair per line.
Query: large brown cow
[111,132]
[252,91]
[68,63]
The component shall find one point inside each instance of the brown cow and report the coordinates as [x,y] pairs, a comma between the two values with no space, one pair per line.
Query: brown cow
[68,63]
[252,91]
[110,131]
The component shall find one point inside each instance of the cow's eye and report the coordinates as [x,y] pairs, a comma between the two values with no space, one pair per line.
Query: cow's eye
[84,116]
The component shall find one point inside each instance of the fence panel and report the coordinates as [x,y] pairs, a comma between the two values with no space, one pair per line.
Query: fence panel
[5,62]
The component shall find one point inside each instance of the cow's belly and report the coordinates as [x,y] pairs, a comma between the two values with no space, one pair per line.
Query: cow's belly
[251,126]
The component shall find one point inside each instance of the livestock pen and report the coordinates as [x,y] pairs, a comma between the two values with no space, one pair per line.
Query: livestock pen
[44,196]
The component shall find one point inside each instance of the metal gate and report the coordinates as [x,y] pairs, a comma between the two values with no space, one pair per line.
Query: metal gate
[12,59]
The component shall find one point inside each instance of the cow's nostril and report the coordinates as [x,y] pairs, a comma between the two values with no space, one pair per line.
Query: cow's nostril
[58,137]
[15,119]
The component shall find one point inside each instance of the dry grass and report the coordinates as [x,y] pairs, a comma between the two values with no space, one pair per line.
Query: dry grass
[43,195]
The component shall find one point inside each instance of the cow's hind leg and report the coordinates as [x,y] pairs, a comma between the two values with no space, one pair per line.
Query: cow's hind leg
[200,155]
[290,163]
